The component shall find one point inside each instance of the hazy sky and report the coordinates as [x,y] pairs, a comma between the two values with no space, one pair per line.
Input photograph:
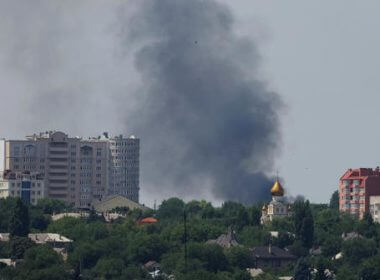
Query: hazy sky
[321,57]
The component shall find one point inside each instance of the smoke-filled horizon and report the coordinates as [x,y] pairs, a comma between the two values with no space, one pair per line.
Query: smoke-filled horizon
[174,73]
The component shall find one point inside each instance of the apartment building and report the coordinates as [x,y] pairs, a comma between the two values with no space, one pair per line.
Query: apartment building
[357,188]
[29,186]
[124,167]
[74,169]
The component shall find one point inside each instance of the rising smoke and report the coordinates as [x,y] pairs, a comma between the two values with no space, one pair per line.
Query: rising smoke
[174,73]
[203,113]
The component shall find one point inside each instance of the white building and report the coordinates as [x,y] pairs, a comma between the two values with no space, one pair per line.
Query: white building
[29,186]
[77,170]
[374,207]
[277,208]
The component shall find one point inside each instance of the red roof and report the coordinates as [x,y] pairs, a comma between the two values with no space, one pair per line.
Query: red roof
[148,220]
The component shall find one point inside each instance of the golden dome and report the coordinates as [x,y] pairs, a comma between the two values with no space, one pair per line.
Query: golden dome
[277,189]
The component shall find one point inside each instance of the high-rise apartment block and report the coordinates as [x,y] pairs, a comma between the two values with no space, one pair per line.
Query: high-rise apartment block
[74,169]
[359,191]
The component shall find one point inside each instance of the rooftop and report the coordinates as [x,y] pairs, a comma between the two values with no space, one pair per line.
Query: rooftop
[271,252]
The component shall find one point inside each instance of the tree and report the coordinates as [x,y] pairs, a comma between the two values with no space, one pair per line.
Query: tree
[334,200]
[108,268]
[40,263]
[255,216]
[358,249]
[370,269]
[239,257]
[303,223]
[19,245]
[51,206]
[171,208]
[19,223]
[321,264]
[302,270]
[242,218]
[367,227]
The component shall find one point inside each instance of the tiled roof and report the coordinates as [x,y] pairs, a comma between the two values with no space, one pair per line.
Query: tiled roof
[114,201]
[40,238]
[225,240]
[271,252]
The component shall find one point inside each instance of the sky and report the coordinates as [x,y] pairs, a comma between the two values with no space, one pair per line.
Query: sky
[321,57]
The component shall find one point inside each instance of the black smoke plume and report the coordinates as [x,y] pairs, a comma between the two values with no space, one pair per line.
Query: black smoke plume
[205,118]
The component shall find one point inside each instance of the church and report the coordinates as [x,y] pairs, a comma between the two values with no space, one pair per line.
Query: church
[277,208]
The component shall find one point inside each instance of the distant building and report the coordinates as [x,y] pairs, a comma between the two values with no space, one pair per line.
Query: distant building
[77,170]
[225,240]
[29,186]
[374,207]
[112,202]
[277,208]
[57,242]
[358,190]
[271,256]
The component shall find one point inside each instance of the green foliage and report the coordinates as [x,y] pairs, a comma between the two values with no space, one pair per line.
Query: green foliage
[240,257]
[51,206]
[358,249]
[367,227]
[6,208]
[19,245]
[370,269]
[302,270]
[119,250]
[255,215]
[19,222]
[171,209]
[41,263]
[303,223]
[334,200]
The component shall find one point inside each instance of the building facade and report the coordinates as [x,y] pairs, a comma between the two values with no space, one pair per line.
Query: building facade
[76,170]
[357,188]
[28,186]
[277,208]
[374,207]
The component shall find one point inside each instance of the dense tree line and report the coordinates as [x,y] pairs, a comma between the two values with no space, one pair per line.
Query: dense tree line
[118,250]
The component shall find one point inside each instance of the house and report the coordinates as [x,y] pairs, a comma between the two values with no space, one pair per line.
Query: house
[110,203]
[351,236]
[225,240]
[58,242]
[147,221]
[59,216]
[271,256]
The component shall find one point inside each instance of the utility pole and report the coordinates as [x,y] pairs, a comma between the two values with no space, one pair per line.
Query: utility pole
[185,237]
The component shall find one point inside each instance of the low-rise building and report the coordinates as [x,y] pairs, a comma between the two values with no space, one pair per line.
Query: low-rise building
[112,202]
[271,256]
[225,240]
[58,242]
[29,186]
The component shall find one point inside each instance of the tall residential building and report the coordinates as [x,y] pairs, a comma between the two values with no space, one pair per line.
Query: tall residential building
[357,188]
[74,169]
